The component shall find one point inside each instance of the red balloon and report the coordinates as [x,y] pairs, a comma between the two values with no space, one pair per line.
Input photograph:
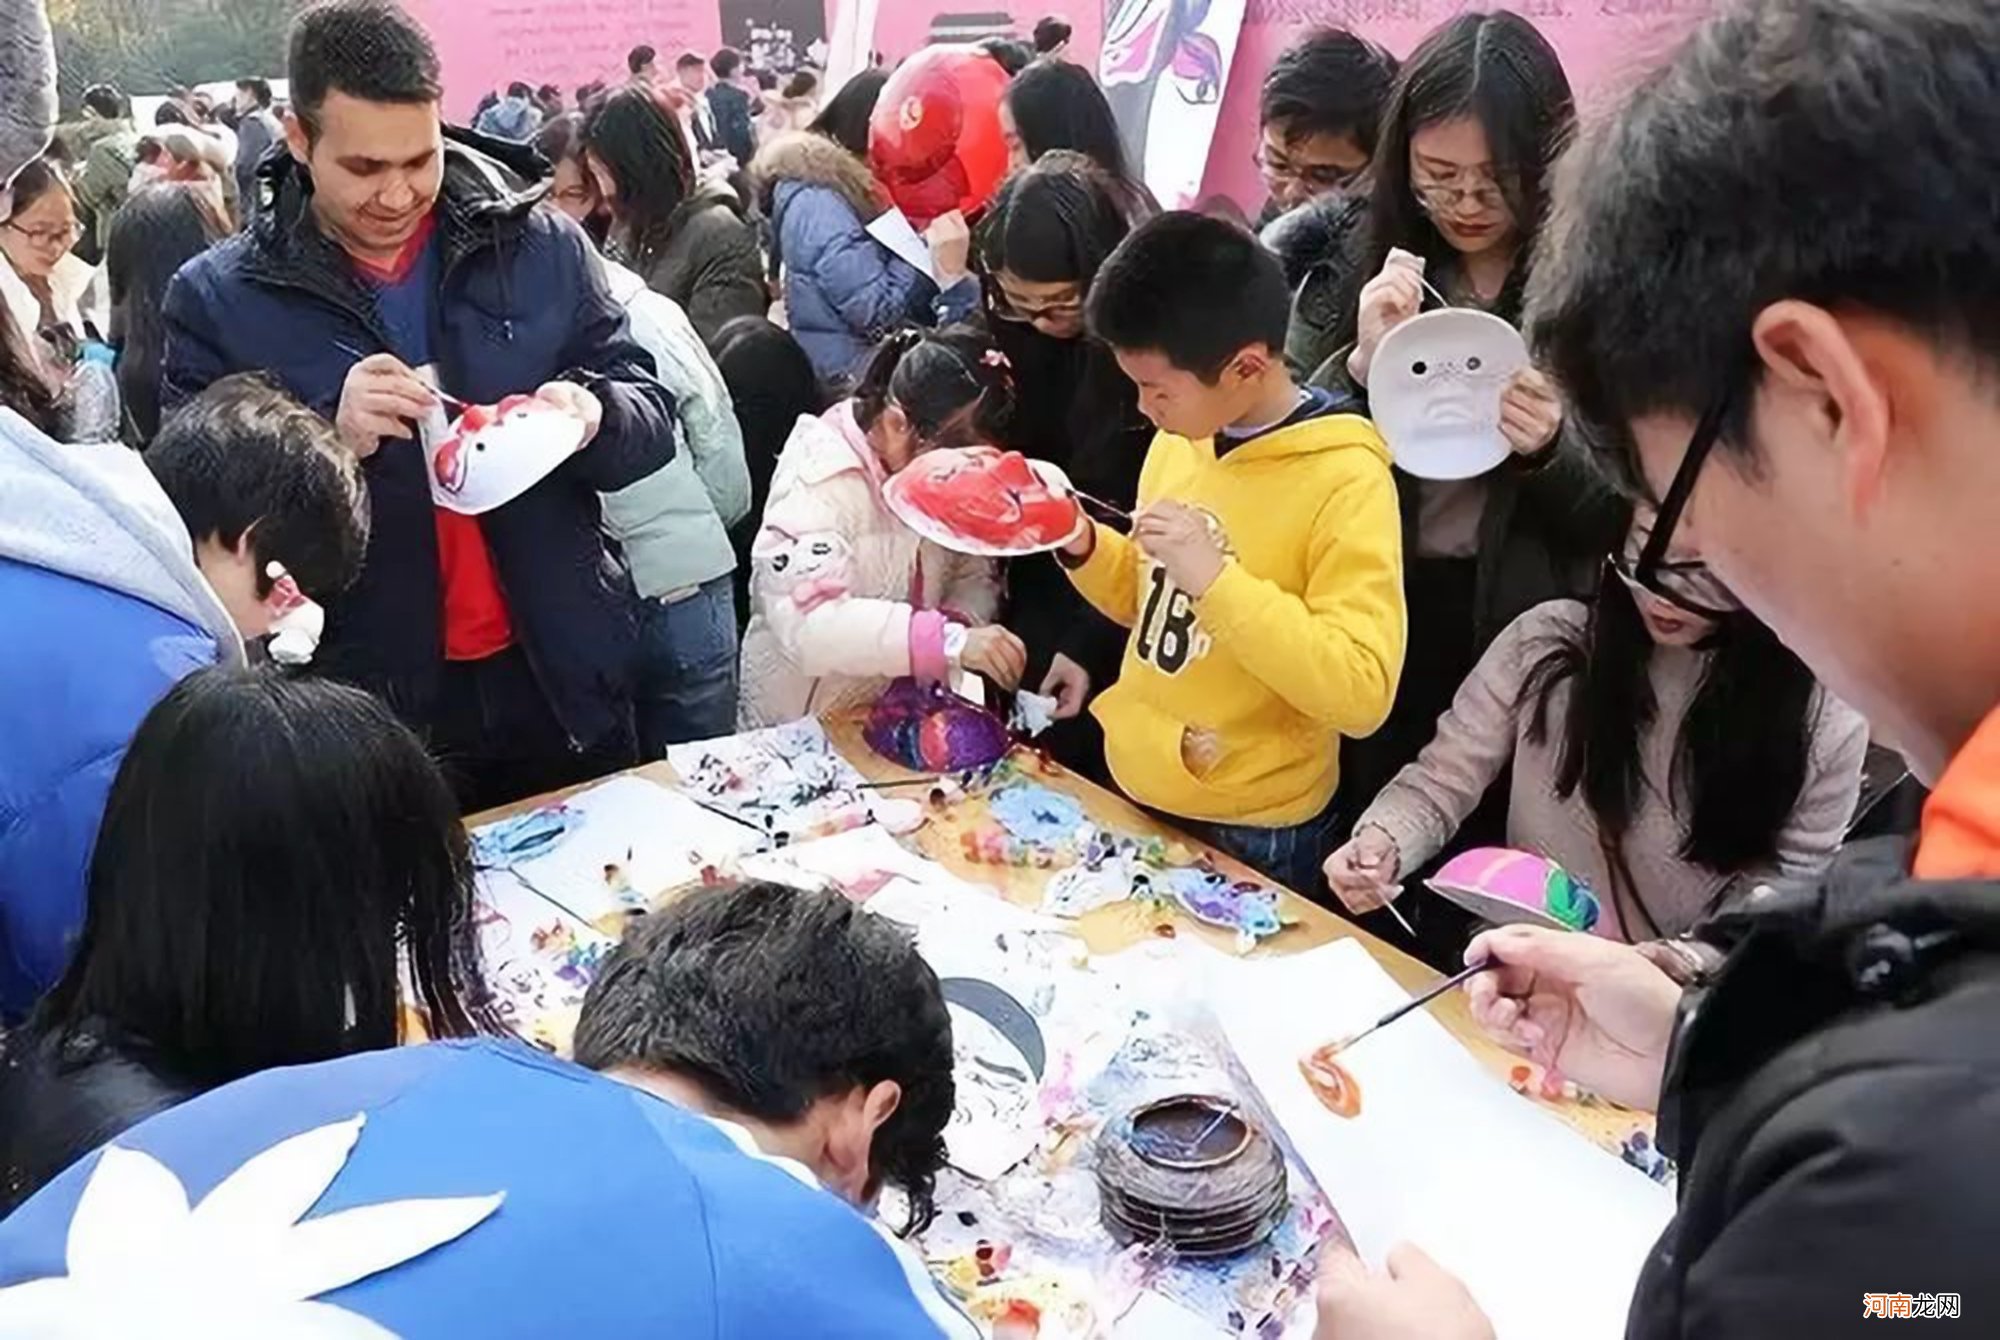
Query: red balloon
[935,140]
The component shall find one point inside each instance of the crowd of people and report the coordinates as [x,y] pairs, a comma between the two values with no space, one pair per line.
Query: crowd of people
[1717,580]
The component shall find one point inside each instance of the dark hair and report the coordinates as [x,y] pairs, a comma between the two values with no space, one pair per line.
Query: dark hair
[150,149]
[587,95]
[1831,151]
[561,137]
[1055,222]
[172,113]
[1050,33]
[23,388]
[367,49]
[690,60]
[105,100]
[1057,105]
[1196,289]
[639,57]
[1741,758]
[725,62]
[550,94]
[153,234]
[767,80]
[519,89]
[844,119]
[771,385]
[772,998]
[258,89]
[35,180]
[1011,54]
[1329,82]
[641,144]
[244,456]
[1500,70]
[934,376]
[255,919]
[802,83]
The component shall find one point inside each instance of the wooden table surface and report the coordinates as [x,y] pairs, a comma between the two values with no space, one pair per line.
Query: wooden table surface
[1123,924]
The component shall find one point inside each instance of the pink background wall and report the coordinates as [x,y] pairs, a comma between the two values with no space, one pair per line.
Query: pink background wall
[1602,44]
[487,44]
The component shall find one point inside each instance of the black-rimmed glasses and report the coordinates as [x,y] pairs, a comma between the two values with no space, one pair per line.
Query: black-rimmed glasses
[1650,573]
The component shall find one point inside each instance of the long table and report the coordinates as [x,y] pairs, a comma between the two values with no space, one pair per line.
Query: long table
[1124,924]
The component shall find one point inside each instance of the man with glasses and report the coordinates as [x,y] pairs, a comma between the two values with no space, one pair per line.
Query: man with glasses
[1318,115]
[1769,287]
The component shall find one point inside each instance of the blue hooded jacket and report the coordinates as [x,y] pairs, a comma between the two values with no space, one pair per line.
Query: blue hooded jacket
[498,1192]
[104,611]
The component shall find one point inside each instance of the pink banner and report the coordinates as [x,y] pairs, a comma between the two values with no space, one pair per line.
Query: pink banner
[486,46]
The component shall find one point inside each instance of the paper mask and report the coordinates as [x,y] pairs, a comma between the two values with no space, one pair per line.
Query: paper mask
[1434,391]
[1505,887]
[983,501]
[495,453]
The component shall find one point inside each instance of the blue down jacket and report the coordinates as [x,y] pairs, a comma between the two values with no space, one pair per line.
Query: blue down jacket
[844,290]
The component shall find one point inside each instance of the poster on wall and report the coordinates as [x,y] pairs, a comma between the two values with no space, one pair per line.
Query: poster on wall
[1164,65]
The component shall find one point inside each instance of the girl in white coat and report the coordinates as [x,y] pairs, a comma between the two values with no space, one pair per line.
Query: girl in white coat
[844,597]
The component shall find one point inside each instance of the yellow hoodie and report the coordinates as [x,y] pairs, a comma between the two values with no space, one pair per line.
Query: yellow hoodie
[1230,708]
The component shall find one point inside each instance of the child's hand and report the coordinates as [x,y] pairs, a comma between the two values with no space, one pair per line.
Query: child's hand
[994,652]
[1068,683]
[1531,413]
[1183,541]
[1364,871]
[1387,301]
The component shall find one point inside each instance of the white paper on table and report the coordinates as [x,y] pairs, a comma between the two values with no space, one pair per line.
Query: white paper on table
[895,231]
[1548,1231]
[1157,1317]
[658,838]
[850,859]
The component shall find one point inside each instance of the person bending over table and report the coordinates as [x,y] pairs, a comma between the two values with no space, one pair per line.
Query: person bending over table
[1667,750]
[762,1047]
[1762,295]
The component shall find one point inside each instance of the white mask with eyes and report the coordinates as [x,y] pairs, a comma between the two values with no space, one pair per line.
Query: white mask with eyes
[1434,390]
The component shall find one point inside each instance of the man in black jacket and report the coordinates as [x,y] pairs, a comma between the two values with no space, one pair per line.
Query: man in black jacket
[508,638]
[1771,287]
[732,108]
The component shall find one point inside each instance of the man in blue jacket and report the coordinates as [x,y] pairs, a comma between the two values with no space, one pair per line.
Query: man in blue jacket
[508,639]
[118,576]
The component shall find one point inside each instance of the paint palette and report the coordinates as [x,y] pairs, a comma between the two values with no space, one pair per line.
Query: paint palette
[1508,887]
[1194,1172]
[1434,391]
[986,502]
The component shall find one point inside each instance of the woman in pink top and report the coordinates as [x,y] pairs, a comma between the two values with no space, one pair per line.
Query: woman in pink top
[1667,751]
[845,597]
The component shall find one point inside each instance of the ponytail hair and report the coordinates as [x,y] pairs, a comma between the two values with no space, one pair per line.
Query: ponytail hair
[934,376]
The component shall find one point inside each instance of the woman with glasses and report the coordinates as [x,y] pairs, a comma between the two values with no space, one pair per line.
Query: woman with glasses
[1666,750]
[1048,230]
[45,286]
[1054,105]
[1460,179]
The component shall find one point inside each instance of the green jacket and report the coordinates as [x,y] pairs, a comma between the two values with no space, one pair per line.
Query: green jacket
[107,176]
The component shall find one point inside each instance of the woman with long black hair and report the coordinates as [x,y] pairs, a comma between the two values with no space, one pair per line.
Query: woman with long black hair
[690,242]
[279,861]
[1054,105]
[1667,750]
[154,233]
[1477,118]
[1048,230]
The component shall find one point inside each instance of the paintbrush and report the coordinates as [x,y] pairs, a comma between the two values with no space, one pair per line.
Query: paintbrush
[451,403]
[1394,911]
[1451,983]
[1109,509]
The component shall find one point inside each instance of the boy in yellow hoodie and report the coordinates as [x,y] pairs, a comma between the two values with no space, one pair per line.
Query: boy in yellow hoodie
[1262,581]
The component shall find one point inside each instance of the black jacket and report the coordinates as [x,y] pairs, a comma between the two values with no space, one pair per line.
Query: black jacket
[60,1101]
[1318,245]
[730,106]
[522,302]
[705,257]
[1073,407]
[1833,1102]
